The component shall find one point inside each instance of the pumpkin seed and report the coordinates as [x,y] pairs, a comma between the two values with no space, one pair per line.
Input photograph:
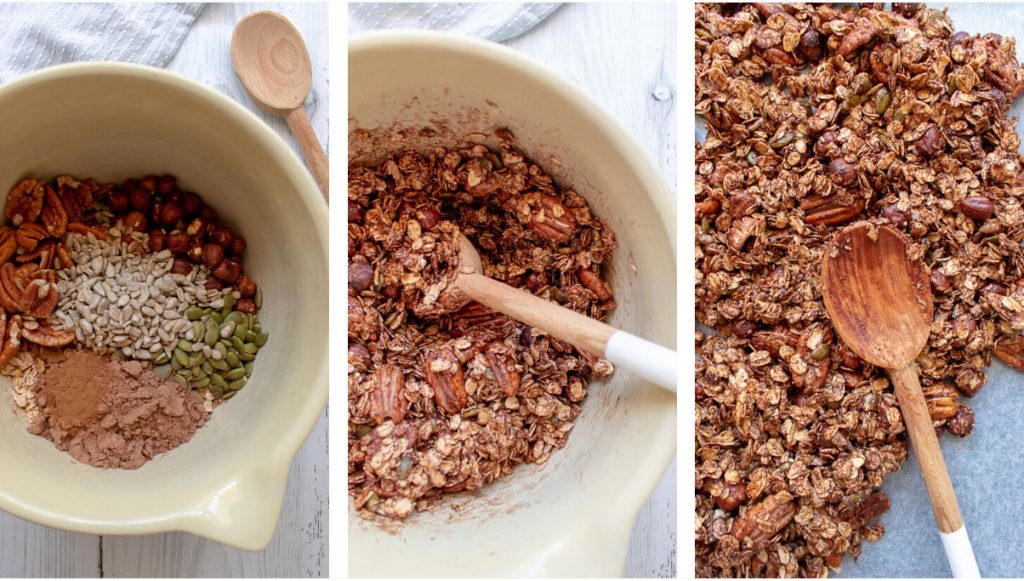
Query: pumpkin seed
[236,373]
[250,348]
[217,318]
[237,384]
[234,317]
[220,365]
[232,359]
[250,337]
[228,395]
[243,356]
[194,313]
[217,380]
[181,357]
[216,390]
[261,339]
[257,299]
[194,360]
[162,371]
[185,346]
[237,343]
[240,331]
[362,430]
[248,368]
[207,366]
[181,380]
[205,381]
[162,358]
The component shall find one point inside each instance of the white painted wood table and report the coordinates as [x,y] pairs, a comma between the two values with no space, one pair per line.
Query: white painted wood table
[624,54]
[299,546]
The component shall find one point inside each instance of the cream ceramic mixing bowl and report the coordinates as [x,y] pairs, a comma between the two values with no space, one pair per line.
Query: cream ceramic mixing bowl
[115,121]
[572,516]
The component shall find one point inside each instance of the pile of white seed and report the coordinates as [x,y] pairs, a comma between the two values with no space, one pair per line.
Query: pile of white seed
[118,296]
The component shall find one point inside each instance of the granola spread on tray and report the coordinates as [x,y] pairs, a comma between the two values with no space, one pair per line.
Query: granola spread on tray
[818,116]
[443,401]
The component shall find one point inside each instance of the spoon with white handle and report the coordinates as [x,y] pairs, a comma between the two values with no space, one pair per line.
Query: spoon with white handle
[648,360]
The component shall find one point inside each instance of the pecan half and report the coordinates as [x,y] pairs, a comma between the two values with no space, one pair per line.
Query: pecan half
[755,527]
[8,244]
[47,336]
[552,221]
[28,235]
[77,198]
[79,228]
[942,400]
[1010,350]
[11,339]
[444,374]
[856,38]
[54,217]
[25,201]
[503,368]
[595,283]
[867,510]
[829,211]
[387,399]
[10,295]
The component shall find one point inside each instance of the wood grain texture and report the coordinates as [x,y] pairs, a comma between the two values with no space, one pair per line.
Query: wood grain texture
[624,55]
[299,546]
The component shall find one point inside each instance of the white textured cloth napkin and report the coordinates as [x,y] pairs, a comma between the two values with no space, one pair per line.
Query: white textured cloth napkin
[495,21]
[34,36]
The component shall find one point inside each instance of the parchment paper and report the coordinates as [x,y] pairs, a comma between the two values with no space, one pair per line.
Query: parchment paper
[987,467]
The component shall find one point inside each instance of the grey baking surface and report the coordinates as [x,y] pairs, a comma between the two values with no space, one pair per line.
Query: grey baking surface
[986,467]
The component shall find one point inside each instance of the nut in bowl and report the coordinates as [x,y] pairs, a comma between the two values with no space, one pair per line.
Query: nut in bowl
[571,514]
[265,247]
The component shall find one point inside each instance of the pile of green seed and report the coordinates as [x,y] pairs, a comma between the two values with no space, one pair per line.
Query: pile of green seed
[217,353]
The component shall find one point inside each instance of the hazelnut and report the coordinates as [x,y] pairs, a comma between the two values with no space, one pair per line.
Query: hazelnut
[246,306]
[139,200]
[895,217]
[148,183]
[196,228]
[246,286]
[939,282]
[360,276]
[181,267]
[823,146]
[238,246]
[213,284]
[842,172]
[359,354]
[906,9]
[810,44]
[170,214]
[355,212]
[228,271]
[195,252]
[132,184]
[177,242]
[212,254]
[733,495]
[191,203]
[930,143]
[977,208]
[222,235]
[157,240]
[428,217]
[119,201]
[536,280]
[166,184]
[391,291]
[207,214]
[135,221]
[962,423]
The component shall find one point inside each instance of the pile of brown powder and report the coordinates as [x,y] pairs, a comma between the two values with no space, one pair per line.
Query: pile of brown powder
[113,414]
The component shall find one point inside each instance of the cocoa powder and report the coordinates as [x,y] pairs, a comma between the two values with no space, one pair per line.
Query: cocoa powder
[113,414]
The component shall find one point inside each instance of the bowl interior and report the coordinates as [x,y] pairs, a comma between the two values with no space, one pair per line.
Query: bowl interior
[115,122]
[573,515]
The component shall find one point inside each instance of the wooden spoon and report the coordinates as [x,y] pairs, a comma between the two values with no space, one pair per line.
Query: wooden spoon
[880,302]
[648,360]
[273,64]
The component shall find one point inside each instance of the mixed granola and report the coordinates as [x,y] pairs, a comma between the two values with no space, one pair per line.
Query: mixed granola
[819,115]
[443,397]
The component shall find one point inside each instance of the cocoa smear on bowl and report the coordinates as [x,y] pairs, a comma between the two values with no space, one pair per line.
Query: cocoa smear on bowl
[113,414]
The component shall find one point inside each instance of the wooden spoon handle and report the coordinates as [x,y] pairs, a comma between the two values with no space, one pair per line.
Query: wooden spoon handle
[316,159]
[933,469]
[647,359]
